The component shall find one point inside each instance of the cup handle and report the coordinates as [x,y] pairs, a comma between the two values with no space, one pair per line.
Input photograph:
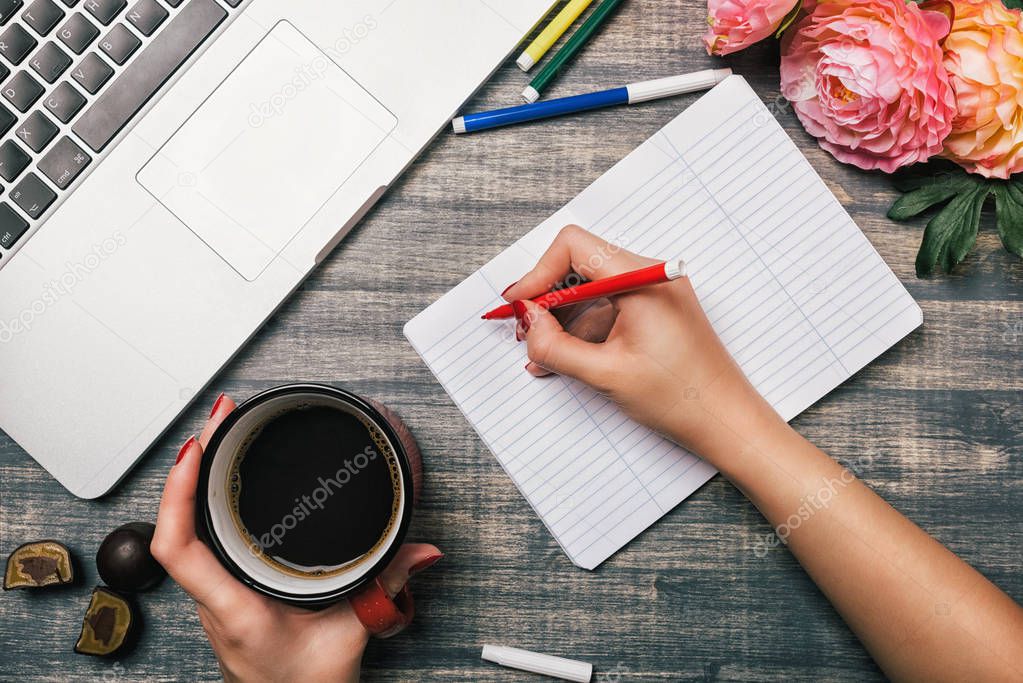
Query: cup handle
[382,615]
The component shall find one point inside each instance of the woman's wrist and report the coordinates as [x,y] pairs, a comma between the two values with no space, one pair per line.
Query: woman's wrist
[722,422]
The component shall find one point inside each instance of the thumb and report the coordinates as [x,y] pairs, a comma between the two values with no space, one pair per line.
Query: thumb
[554,349]
[410,559]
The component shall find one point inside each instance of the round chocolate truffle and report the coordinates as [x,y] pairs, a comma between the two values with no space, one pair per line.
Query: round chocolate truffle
[124,560]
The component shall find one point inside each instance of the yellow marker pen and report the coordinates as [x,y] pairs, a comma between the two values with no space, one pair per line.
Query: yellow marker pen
[543,42]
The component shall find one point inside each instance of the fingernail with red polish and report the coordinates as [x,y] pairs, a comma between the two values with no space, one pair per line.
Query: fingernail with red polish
[184,449]
[425,563]
[509,287]
[216,404]
[521,319]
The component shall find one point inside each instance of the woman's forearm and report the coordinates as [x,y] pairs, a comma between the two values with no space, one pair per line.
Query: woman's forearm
[921,611]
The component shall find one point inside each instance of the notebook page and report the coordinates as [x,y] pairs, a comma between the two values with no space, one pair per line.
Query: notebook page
[794,289]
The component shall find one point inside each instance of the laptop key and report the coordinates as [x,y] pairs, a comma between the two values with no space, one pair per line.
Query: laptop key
[42,16]
[92,73]
[64,102]
[50,62]
[119,44]
[7,119]
[146,16]
[77,33]
[33,195]
[37,131]
[64,162]
[12,226]
[16,43]
[105,10]
[22,91]
[8,9]
[4,72]
[13,160]
[140,80]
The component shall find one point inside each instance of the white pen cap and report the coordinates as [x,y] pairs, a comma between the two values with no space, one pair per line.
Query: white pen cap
[524,660]
[675,269]
[676,85]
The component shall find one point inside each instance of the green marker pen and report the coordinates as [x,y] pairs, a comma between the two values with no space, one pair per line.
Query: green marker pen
[568,50]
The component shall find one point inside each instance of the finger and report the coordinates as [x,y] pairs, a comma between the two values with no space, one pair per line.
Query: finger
[410,559]
[176,546]
[591,322]
[574,250]
[222,407]
[552,348]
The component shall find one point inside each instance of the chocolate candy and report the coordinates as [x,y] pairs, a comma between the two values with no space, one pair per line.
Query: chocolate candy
[39,565]
[124,561]
[111,625]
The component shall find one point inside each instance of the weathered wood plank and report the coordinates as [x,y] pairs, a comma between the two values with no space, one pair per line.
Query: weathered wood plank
[934,426]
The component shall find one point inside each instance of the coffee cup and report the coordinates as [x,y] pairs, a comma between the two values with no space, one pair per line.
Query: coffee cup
[305,494]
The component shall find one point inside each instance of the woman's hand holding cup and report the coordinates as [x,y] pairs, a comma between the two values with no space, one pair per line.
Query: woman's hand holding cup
[256,637]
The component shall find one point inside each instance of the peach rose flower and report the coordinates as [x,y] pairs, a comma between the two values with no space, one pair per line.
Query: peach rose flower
[984,56]
[736,24]
[866,78]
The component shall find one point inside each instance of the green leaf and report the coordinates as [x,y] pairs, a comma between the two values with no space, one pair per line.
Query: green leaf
[919,175]
[951,234]
[1015,189]
[952,231]
[916,201]
[1013,4]
[789,18]
[1009,214]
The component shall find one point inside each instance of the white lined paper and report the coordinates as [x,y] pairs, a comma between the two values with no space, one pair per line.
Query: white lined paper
[793,287]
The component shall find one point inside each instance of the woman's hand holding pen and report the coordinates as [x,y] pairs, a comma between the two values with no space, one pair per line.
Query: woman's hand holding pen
[652,351]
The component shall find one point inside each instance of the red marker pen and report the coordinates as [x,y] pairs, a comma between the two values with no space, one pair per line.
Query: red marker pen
[617,284]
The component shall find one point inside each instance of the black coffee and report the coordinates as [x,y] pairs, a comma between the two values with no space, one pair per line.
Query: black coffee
[315,490]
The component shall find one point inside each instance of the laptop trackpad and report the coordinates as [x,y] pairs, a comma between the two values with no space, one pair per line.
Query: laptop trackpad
[264,152]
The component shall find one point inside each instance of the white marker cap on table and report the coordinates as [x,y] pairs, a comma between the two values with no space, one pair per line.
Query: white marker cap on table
[530,94]
[458,124]
[525,62]
[524,660]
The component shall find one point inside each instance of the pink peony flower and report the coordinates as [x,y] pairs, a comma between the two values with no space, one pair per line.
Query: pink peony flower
[984,55]
[865,77]
[737,24]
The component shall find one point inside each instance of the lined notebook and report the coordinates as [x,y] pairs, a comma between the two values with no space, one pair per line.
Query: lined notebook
[791,285]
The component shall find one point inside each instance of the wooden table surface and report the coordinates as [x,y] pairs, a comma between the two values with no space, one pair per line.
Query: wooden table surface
[935,426]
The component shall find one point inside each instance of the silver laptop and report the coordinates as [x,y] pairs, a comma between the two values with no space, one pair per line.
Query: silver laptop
[173,169]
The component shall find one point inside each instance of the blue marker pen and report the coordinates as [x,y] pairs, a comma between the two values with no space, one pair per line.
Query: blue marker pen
[629,94]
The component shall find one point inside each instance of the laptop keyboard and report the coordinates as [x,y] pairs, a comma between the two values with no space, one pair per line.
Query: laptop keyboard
[73,74]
